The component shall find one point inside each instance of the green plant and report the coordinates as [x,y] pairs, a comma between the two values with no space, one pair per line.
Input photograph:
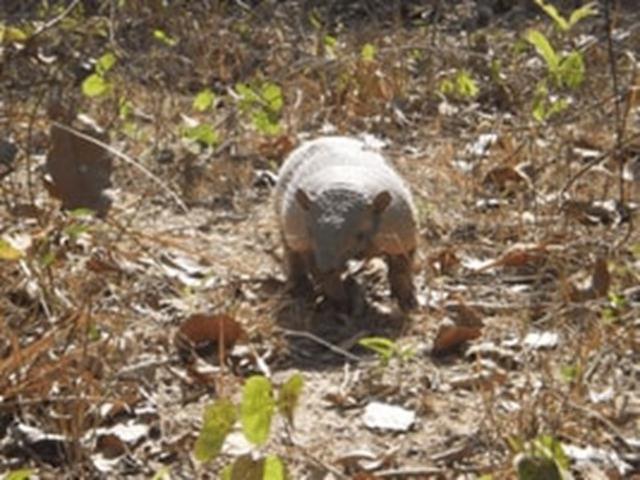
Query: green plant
[262,102]
[543,457]
[202,133]
[97,84]
[386,349]
[460,86]
[564,24]
[22,474]
[255,413]
[565,70]
[164,38]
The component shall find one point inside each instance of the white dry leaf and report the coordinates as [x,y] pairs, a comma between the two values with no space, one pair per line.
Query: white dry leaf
[103,464]
[184,269]
[378,415]
[601,456]
[541,340]
[475,264]
[601,397]
[236,444]
[464,166]
[190,122]
[354,458]
[130,433]
[446,109]
[481,146]
[509,406]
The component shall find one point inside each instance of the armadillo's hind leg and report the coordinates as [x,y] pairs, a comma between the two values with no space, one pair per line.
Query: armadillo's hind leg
[297,270]
[401,280]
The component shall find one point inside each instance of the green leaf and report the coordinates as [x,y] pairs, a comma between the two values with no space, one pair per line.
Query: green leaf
[48,258]
[368,53]
[247,468]
[550,10]
[465,85]
[125,109]
[536,468]
[8,252]
[380,345]
[329,41]
[256,410]
[162,36]
[588,10]
[569,373]
[571,70]
[95,86]
[552,448]
[289,396]
[202,133]
[246,94]
[265,123]
[227,472]
[105,63]
[272,95]
[12,34]
[544,49]
[274,469]
[74,230]
[204,100]
[82,212]
[22,474]
[162,474]
[218,422]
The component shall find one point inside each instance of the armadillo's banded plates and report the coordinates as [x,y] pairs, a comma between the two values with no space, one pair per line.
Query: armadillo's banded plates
[347,164]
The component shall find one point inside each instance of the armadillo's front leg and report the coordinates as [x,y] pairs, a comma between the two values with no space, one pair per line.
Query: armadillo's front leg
[334,288]
[297,270]
[401,280]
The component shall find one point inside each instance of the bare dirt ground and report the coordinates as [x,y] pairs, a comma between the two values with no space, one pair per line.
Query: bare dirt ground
[526,344]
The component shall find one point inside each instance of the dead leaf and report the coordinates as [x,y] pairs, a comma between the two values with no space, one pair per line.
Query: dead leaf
[450,336]
[444,262]
[464,315]
[278,147]
[110,446]
[206,334]
[378,415]
[80,170]
[519,256]
[610,212]
[503,179]
[597,286]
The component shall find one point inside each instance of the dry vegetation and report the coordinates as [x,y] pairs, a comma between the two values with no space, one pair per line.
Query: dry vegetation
[529,326]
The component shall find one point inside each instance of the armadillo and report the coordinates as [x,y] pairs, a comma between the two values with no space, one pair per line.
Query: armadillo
[338,199]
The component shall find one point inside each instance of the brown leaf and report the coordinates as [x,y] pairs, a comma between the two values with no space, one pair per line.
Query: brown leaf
[503,179]
[597,287]
[111,446]
[464,315]
[207,334]
[278,147]
[444,262]
[80,170]
[520,256]
[450,336]
[600,279]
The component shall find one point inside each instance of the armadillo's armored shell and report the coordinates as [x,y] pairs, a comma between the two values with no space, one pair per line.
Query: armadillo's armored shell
[344,163]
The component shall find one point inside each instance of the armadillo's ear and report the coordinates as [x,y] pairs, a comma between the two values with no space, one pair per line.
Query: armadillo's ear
[381,202]
[303,199]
